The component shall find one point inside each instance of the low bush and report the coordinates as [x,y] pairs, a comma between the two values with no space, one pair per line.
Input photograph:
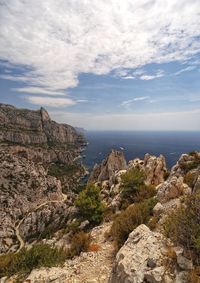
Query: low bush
[41,255]
[89,204]
[60,170]
[80,242]
[182,226]
[133,187]
[131,182]
[129,219]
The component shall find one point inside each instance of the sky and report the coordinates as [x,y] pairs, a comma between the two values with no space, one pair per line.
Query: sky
[104,65]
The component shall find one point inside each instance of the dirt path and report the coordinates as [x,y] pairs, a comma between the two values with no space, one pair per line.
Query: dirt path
[90,267]
[19,238]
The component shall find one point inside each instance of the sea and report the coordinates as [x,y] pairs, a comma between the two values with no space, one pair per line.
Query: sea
[137,144]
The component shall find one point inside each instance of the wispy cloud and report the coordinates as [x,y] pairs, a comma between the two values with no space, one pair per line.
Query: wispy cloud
[50,101]
[37,90]
[127,103]
[73,37]
[187,69]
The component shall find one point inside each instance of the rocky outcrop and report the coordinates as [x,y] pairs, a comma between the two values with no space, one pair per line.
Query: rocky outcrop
[183,179]
[149,257]
[107,169]
[154,168]
[142,259]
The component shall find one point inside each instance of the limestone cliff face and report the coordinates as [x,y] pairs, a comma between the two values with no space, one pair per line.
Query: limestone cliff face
[24,126]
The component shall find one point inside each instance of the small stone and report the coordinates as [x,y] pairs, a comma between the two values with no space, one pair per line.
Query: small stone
[151,263]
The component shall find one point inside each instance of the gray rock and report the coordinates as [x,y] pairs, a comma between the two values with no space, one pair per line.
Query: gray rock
[132,259]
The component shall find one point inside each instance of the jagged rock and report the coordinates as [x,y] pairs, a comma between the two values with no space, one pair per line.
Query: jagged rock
[131,264]
[107,169]
[154,167]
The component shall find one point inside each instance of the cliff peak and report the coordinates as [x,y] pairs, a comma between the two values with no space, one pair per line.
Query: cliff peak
[44,114]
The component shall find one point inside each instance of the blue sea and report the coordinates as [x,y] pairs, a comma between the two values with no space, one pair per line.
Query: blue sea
[136,144]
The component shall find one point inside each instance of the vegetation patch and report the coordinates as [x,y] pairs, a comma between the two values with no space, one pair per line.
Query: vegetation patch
[89,204]
[41,255]
[60,170]
[133,187]
[190,178]
[129,219]
[182,226]
[80,242]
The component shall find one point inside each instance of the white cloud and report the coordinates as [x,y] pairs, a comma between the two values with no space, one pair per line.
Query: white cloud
[50,101]
[56,40]
[187,120]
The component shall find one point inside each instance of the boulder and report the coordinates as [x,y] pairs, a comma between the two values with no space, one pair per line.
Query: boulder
[132,262]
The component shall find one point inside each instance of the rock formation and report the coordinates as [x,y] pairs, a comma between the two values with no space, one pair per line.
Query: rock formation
[106,170]
[149,257]
[154,168]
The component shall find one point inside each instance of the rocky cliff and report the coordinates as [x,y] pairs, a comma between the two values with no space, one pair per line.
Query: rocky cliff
[37,164]
[22,126]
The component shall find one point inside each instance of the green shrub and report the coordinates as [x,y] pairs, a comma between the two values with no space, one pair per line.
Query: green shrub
[41,255]
[129,219]
[182,226]
[133,187]
[89,204]
[131,182]
[60,170]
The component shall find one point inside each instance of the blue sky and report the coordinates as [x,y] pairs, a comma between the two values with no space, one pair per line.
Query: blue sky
[99,65]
